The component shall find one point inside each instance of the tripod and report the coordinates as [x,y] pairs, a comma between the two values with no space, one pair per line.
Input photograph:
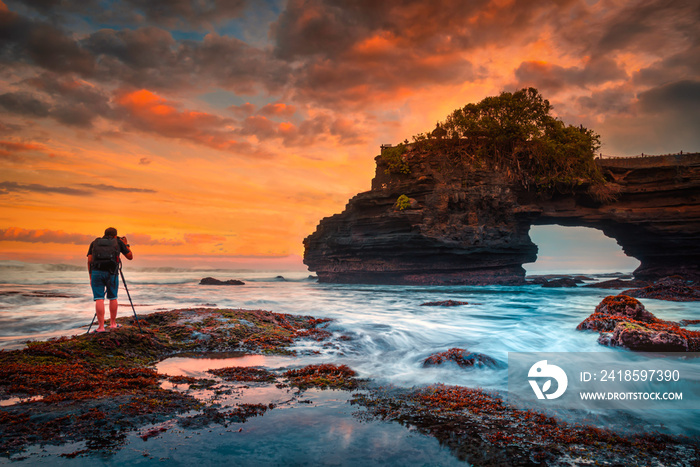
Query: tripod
[128,295]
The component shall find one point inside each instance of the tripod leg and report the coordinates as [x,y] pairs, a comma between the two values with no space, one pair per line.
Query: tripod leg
[128,295]
[91,323]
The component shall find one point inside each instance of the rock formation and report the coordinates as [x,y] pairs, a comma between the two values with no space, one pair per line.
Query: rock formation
[212,281]
[624,322]
[459,223]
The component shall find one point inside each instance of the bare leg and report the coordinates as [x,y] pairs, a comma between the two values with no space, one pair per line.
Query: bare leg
[100,312]
[113,305]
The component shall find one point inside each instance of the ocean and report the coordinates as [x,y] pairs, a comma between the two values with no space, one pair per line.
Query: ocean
[391,334]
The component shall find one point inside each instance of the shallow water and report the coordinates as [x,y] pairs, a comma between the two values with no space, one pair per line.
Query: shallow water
[391,332]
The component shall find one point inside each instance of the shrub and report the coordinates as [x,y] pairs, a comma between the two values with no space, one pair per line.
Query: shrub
[395,161]
[403,202]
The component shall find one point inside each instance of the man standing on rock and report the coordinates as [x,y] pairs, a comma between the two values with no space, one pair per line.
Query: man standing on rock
[103,266]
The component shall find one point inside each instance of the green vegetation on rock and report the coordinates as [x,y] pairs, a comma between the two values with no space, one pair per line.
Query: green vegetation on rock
[403,202]
[515,133]
[394,157]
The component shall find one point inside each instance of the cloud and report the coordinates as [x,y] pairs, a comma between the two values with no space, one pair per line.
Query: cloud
[24,103]
[243,110]
[16,234]
[197,238]
[145,239]
[647,26]
[14,146]
[680,96]
[26,40]
[548,77]
[9,150]
[124,189]
[13,187]
[67,100]
[277,110]
[357,53]
[148,112]
[177,14]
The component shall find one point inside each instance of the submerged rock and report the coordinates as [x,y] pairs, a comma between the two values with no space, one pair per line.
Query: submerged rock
[624,322]
[617,284]
[444,303]
[563,282]
[673,288]
[461,357]
[212,281]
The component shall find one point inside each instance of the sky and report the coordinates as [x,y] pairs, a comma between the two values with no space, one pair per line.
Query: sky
[220,132]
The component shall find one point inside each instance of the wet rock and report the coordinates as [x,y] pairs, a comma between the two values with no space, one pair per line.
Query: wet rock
[563,282]
[461,357]
[444,303]
[212,281]
[673,288]
[626,306]
[483,429]
[325,375]
[646,339]
[617,284]
[624,322]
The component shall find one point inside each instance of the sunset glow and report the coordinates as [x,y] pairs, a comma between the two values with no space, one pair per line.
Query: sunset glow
[221,138]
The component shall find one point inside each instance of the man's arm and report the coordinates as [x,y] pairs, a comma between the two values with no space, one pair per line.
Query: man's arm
[128,254]
[89,265]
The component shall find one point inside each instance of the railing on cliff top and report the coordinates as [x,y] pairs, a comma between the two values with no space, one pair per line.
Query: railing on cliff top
[642,160]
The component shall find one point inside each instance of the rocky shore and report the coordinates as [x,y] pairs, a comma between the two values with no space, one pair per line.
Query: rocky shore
[100,388]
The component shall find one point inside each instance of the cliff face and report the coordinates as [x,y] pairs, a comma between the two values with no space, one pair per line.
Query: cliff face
[469,225]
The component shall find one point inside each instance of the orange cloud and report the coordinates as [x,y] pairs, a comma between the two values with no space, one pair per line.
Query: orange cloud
[12,146]
[278,110]
[16,234]
[148,112]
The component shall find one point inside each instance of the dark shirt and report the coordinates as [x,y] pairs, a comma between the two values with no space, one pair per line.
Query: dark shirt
[122,247]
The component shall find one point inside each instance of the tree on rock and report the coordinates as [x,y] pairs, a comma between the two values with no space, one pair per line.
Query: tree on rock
[516,132]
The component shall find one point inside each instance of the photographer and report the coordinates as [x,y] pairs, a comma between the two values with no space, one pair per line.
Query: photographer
[103,259]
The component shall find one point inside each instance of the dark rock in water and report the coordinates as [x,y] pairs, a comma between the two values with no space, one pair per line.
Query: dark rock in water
[469,223]
[280,278]
[444,303]
[624,322]
[673,288]
[461,357]
[549,278]
[689,322]
[212,281]
[641,338]
[564,282]
[617,284]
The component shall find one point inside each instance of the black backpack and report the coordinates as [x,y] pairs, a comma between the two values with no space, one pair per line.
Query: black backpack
[105,254]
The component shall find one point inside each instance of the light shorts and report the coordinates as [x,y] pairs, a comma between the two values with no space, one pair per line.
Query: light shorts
[101,281]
